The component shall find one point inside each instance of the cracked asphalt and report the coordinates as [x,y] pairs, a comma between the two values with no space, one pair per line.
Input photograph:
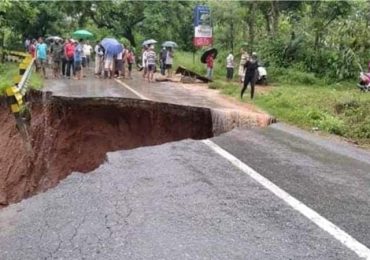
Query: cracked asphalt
[181,200]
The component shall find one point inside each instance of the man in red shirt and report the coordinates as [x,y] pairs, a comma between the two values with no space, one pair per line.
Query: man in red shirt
[69,50]
[209,61]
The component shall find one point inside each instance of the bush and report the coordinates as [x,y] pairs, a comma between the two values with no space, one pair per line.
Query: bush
[294,76]
[331,125]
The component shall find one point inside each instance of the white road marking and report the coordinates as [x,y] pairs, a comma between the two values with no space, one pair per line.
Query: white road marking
[131,89]
[361,250]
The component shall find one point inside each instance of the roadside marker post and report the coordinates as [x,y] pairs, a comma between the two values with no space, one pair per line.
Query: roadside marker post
[15,95]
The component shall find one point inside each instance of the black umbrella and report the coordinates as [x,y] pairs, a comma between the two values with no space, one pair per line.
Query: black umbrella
[203,59]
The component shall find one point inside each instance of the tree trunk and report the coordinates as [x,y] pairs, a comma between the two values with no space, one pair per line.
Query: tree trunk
[232,36]
[129,36]
[268,24]
[251,24]
[368,14]
[275,14]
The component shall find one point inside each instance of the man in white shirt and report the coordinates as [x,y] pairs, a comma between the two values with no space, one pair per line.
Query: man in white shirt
[230,67]
[87,52]
[145,67]
[99,54]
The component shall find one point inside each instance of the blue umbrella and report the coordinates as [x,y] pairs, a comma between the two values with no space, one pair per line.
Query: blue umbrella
[111,46]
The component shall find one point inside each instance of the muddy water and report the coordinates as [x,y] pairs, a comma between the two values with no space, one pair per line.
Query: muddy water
[74,134]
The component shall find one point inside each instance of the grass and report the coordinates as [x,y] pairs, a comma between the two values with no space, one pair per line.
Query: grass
[304,100]
[340,110]
[9,70]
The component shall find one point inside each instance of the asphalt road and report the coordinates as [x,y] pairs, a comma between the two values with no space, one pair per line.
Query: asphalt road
[181,200]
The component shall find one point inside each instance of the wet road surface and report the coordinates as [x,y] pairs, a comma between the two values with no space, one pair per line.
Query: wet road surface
[87,87]
[182,201]
[137,88]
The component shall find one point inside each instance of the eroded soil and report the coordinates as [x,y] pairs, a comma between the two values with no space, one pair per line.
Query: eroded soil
[74,134]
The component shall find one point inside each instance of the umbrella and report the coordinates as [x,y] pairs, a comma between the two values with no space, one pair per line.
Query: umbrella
[53,39]
[82,34]
[148,42]
[169,44]
[203,59]
[111,46]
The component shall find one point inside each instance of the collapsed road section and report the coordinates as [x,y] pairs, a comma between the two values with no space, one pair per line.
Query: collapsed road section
[69,134]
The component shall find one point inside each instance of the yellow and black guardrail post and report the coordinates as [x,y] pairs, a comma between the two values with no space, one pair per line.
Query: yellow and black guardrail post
[16,94]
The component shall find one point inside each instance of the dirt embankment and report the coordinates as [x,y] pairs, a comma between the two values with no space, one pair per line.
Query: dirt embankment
[75,135]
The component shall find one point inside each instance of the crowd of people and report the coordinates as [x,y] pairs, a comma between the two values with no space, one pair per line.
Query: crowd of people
[71,59]
[149,58]
[109,66]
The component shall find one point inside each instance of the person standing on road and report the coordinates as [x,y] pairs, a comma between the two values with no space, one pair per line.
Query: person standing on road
[119,64]
[251,67]
[108,65]
[243,59]
[130,62]
[77,59]
[124,61]
[99,55]
[69,50]
[57,54]
[210,61]
[169,61]
[27,43]
[42,55]
[144,61]
[151,57]
[32,48]
[64,60]
[230,67]
[83,59]
[162,60]
[87,53]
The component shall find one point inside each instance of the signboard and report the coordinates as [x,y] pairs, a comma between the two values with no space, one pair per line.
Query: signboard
[202,26]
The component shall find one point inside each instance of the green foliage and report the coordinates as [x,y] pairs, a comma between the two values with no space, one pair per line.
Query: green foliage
[7,73]
[340,110]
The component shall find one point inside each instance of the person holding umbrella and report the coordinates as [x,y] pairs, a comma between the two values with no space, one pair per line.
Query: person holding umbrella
[112,47]
[151,58]
[208,57]
[162,60]
[169,61]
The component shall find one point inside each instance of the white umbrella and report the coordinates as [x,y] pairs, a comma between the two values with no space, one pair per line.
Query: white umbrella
[149,42]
